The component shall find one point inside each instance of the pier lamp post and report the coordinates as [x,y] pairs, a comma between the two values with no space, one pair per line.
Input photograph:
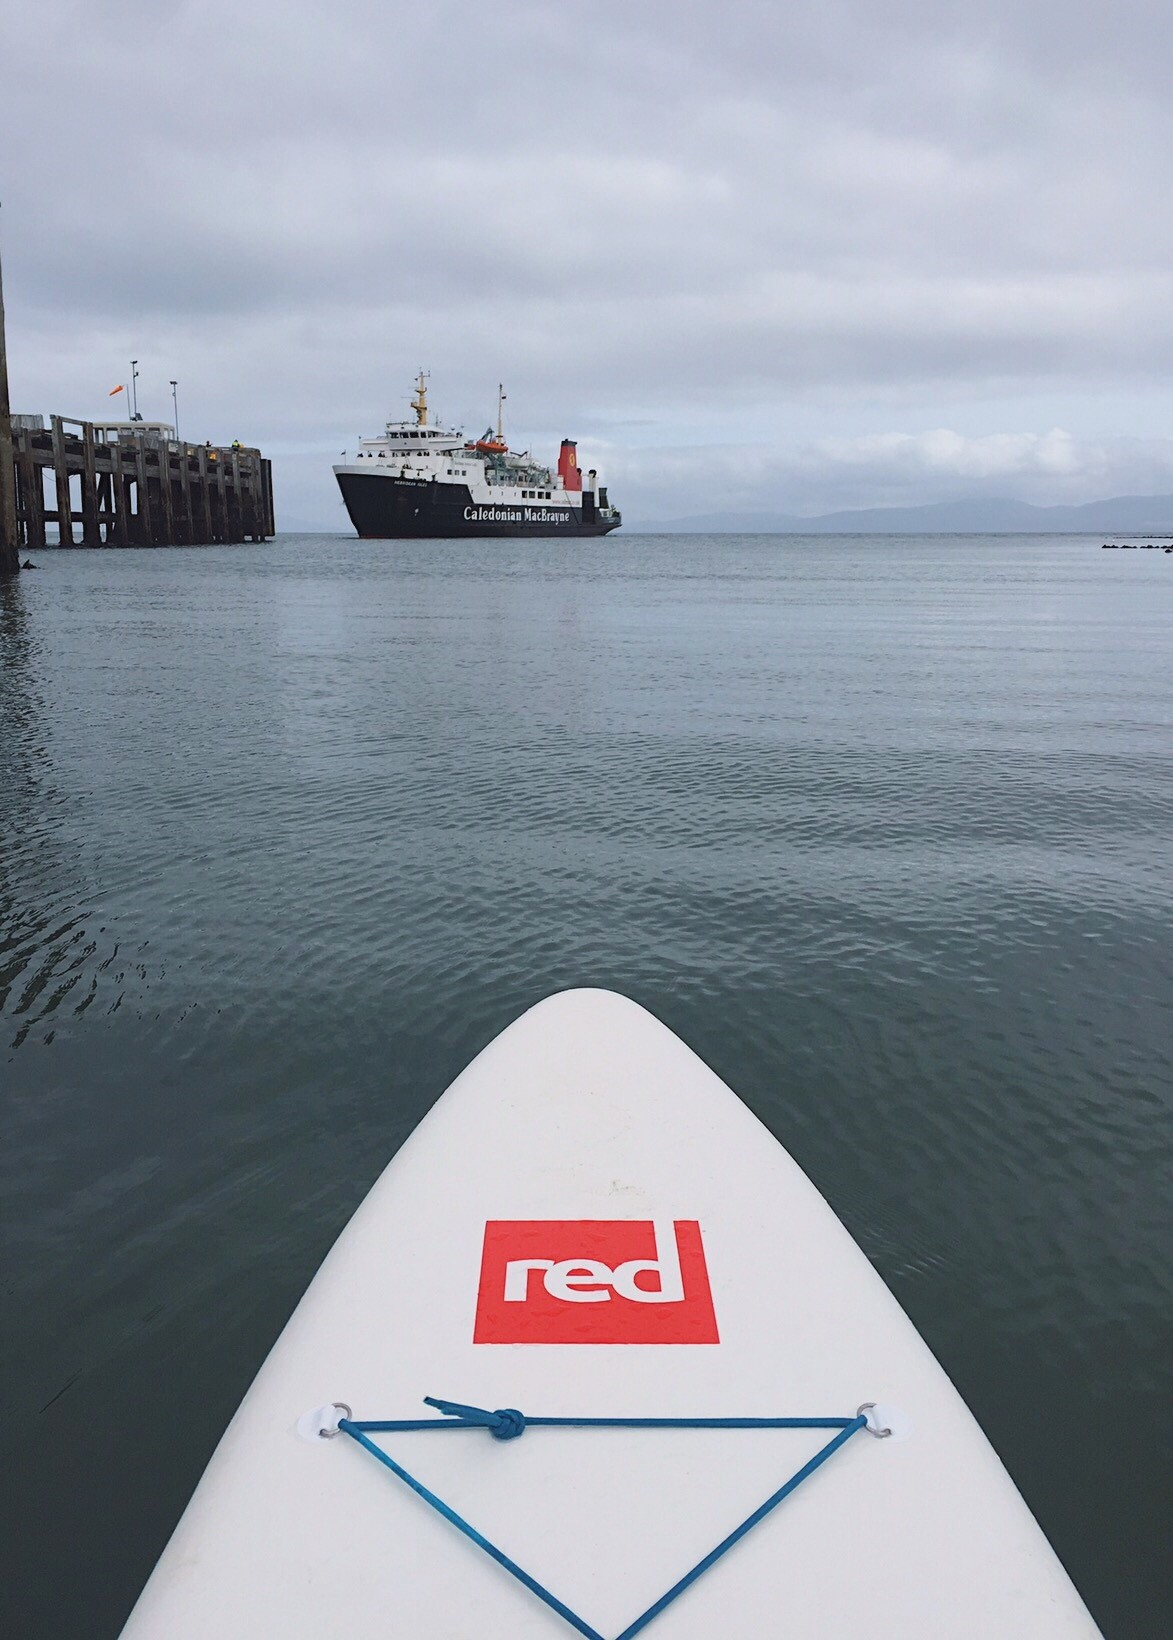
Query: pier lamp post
[134,390]
[175,408]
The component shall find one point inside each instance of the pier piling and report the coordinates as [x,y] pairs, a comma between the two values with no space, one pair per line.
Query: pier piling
[9,554]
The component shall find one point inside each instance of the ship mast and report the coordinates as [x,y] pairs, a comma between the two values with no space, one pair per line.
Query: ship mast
[420,403]
[501,397]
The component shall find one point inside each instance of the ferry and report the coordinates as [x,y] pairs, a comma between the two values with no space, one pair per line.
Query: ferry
[421,480]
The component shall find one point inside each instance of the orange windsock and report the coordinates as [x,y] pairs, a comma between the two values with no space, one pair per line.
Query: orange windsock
[119,389]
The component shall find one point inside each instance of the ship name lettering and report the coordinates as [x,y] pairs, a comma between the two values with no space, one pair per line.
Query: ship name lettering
[515,515]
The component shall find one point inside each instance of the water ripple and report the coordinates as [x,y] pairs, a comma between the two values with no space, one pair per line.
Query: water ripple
[882,828]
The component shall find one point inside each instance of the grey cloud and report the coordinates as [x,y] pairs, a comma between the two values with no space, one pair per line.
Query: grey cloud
[633,212]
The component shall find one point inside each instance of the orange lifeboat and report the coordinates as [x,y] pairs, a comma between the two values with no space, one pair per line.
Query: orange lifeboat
[490,443]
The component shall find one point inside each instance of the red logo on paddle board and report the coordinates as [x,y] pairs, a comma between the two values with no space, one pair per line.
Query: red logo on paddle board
[594,1281]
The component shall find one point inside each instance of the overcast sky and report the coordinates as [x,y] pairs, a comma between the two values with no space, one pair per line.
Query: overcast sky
[753,256]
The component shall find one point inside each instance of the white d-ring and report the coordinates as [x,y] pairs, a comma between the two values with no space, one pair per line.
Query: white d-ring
[322,1422]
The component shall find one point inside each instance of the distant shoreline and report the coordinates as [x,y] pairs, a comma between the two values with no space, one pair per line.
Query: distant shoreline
[1150,515]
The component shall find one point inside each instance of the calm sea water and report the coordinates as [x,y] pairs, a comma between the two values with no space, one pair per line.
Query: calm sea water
[882,827]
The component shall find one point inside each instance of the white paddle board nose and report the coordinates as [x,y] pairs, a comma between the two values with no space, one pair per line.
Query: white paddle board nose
[590,1224]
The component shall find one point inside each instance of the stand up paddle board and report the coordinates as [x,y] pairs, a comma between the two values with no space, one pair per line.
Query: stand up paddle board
[668,1393]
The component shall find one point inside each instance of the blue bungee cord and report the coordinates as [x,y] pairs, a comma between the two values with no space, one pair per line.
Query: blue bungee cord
[507,1423]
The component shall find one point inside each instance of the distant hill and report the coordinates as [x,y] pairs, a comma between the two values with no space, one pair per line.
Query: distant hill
[1122,514]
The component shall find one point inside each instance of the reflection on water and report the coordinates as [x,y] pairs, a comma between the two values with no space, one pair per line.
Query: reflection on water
[54,953]
[881,827]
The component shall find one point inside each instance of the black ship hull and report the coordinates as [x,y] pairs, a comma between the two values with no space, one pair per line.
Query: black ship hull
[382,508]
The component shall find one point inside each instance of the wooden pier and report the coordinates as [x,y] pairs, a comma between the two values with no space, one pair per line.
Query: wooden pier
[128,484]
[134,488]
